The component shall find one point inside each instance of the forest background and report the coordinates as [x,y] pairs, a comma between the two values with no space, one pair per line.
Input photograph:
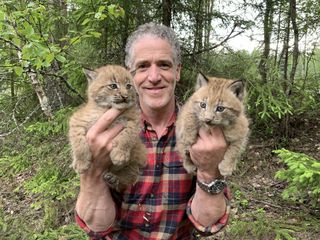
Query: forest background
[45,44]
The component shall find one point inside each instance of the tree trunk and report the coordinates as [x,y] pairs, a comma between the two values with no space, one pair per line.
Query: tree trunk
[166,12]
[207,29]
[42,96]
[197,44]
[267,28]
[295,53]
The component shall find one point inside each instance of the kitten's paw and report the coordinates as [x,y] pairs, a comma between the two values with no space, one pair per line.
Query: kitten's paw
[119,157]
[226,169]
[190,167]
[81,166]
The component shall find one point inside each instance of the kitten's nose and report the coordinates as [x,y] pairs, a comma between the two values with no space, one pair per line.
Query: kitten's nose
[124,98]
[208,120]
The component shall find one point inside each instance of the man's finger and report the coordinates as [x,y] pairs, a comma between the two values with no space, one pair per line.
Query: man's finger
[104,121]
[216,131]
[111,134]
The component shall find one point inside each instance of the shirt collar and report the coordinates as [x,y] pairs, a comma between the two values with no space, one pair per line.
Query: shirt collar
[147,125]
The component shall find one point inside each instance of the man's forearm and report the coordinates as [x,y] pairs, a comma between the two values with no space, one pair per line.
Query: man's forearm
[208,209]
[95,205]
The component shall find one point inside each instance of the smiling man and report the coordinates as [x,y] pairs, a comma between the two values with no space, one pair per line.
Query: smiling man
[165,202]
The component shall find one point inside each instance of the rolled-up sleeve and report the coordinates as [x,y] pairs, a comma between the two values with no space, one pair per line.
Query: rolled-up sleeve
[216,227]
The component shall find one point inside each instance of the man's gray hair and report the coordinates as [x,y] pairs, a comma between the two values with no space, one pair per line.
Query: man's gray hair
[155,30]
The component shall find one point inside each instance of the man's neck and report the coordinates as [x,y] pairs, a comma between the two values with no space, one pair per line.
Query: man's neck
[159,118]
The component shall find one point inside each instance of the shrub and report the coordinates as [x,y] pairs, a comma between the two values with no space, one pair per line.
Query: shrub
[302,174]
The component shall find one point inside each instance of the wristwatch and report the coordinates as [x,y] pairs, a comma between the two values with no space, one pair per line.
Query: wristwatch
[214,187]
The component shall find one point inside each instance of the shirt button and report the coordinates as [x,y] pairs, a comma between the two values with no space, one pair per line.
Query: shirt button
[151,195]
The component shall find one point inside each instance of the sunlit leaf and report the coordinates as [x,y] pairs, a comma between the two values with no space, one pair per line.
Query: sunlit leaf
[18,70]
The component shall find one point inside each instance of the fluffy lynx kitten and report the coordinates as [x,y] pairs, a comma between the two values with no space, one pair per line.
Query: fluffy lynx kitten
[109,87]
[216,101]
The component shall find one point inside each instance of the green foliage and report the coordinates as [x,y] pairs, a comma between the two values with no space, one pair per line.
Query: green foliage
[259,227]
[269,102]
[50,182]
[66,232]
[241,199]
[59,125]
[40,159]
[302,175]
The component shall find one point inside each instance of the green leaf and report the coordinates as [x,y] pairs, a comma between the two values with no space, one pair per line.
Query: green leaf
[18,70]
[85,21]
[28,29]
[74,40]
[111,9]
[96,34]
[16,41]
[49,57]
[2,16]
[61,58]
[102,8]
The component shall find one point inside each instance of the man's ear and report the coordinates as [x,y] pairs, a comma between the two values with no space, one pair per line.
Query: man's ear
[202,80]
[90,74]
[178,72]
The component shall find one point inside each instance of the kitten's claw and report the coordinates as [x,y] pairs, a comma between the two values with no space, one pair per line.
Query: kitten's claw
[112,180]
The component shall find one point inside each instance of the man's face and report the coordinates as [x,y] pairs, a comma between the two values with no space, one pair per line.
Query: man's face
[154,73]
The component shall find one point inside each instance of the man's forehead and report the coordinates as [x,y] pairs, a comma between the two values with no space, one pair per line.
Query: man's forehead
[155,60]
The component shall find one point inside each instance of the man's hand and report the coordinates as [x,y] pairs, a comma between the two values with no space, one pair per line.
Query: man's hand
[208,152]
[99,138]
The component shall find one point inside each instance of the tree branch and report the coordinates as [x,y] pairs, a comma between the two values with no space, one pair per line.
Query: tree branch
[227,38]
[2,135]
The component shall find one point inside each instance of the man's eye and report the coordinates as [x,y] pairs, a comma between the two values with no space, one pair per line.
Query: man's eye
[113,86]
[220,109]
[164,66]
[142,67]
[203,105]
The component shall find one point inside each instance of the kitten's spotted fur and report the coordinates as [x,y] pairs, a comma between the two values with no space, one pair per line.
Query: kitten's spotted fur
[110,87]
[216,101]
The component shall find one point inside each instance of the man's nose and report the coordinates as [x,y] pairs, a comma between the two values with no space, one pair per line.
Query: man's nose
[154,73]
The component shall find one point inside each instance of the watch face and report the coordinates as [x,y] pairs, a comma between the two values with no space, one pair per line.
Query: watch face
[217,186]
[214,187]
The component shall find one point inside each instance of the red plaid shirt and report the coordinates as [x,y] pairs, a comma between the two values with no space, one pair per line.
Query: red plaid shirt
[156,207]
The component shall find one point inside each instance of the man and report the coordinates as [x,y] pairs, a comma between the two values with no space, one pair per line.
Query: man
[166,202]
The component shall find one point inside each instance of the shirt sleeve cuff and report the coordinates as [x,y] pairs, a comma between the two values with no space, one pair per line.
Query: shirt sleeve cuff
[222,222]
[92,235]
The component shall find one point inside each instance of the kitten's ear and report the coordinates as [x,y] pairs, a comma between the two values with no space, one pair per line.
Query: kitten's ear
[202,80]
[90,74]
[237,87]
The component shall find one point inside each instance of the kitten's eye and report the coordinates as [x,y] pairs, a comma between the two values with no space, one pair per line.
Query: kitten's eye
[220,109]
[203,105]
[128,86]
[113,86]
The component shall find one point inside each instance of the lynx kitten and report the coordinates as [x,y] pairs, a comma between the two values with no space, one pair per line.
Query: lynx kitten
[216,101]
[110,87]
